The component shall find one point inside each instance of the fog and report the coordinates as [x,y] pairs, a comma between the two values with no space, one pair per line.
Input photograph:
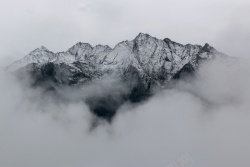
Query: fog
[206,118]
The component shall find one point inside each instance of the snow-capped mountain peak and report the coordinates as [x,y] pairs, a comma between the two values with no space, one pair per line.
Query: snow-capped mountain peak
[39,56]
[140,65]
[43,48]
[146,53]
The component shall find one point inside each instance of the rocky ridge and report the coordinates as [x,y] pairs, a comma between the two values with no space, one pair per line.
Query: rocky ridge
[140,65]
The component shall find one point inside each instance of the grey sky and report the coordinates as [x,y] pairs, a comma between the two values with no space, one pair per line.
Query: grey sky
[59,24]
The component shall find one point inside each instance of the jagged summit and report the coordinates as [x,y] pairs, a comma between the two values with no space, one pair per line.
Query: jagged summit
[40,49]
[167,40]
[151,57]
[43,48]
[143,36]
[143,44]
[207,48]
[141,65]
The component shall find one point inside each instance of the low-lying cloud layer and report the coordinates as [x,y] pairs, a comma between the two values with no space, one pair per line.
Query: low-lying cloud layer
[207,117]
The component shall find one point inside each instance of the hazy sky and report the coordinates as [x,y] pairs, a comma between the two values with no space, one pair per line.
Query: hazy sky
[59,24]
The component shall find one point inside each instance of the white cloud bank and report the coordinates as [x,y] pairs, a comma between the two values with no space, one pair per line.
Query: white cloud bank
[208,118]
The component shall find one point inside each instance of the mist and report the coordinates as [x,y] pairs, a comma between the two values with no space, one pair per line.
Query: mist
[206,117]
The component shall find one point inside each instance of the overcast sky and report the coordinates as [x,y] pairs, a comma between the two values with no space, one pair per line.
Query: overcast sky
[59,24]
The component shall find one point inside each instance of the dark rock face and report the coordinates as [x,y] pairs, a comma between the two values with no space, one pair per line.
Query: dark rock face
[186,70]
[138,66]
[104,107]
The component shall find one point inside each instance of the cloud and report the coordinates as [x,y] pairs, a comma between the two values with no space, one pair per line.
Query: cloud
[207,117]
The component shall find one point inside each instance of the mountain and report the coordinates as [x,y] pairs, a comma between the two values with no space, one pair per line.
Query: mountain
[105,78]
